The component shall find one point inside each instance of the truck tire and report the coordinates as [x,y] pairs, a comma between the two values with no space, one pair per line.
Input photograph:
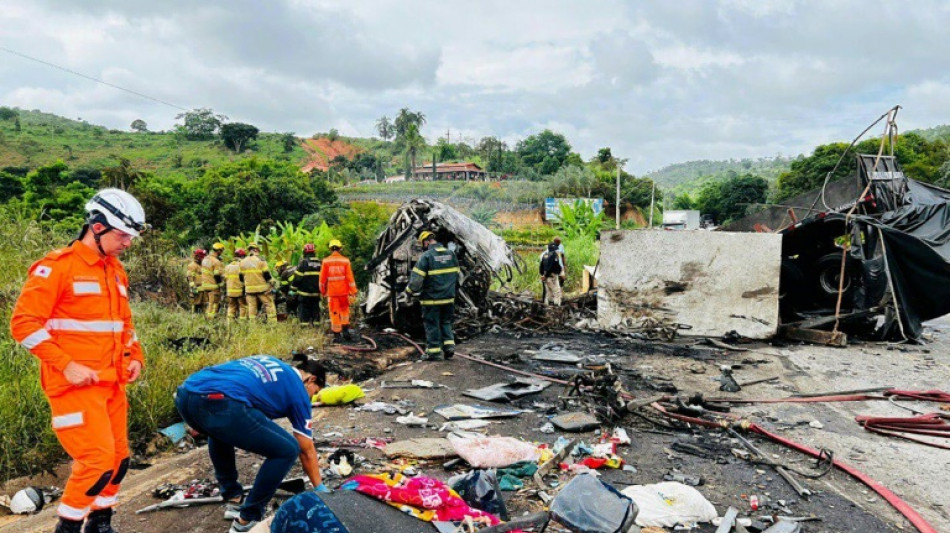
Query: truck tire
[790,290]
[827,275]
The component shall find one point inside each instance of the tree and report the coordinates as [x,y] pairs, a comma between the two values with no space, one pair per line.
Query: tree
[546,152]
[8,113]
[575,182]
[201,124]
[413,142]
[236,135]
[730,199]
[69,150]
[446,151]
[139,125]
[385,128]
[604,156]
[121,176]
[10,187]
[404,120]
[683,201]
[289,141]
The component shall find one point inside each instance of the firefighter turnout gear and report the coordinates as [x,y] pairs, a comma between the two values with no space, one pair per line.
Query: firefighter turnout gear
[337,284]
[193,274]
[257,286]
[434,280]
[305,283]
[285,276]
[74,308]
[234,289]
[212,270]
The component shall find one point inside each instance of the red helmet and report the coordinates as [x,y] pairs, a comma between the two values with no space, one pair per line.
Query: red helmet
[309,248]
[199,253]
[240,252]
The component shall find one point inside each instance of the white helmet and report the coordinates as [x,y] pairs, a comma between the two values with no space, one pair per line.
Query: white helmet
[120,209]
[28,500]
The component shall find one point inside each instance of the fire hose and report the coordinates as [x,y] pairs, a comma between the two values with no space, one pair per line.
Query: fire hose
[894,500]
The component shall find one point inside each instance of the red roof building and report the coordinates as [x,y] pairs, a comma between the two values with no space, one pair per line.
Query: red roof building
[449,171]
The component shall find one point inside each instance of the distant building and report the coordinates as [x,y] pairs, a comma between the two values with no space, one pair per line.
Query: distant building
[449,171]
[681,219]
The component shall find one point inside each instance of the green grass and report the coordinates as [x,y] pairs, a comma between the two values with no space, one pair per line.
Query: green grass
[578,252]
[27,445]
[44,139]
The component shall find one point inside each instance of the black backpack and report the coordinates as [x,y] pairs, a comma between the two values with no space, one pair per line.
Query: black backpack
[551,263]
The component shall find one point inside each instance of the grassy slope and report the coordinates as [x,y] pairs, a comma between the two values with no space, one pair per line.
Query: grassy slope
[96,147]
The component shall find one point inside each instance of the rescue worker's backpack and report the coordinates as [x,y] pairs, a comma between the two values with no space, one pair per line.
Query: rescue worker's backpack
[551,264]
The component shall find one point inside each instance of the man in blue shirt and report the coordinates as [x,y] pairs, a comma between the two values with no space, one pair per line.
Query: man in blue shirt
[234,404]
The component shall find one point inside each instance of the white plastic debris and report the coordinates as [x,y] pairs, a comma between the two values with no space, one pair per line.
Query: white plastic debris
[619,436]
[412,420]
[669,504]
[28,500]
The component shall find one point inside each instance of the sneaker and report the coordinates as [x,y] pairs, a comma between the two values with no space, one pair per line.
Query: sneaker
[232,511]
[238,527]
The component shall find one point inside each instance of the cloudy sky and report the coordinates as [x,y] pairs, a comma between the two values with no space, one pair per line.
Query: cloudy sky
[658,81]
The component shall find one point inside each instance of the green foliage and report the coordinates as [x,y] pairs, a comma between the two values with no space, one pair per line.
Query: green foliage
[684,201]
[236,135]
[545,152]
[414,142]
[358,230]
[579,220]
[200,124]
[576,181]
[385,128]
[689,177]
[234,198]
[730,199]
[446,151]
[404,120]
[484,216]
[289,141]
[10,187]
[529,235]
[7,113]
[139,125]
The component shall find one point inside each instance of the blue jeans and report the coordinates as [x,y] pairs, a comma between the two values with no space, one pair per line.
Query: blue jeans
[231,424]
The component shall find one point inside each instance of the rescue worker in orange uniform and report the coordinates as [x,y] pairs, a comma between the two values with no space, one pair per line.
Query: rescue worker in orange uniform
[257,284]
[73,314]
[193,274]
[212,272]
[234,287]
[339,287]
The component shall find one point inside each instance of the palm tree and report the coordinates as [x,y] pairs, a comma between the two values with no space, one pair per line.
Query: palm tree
[414,142]
[385,128]
[405,118]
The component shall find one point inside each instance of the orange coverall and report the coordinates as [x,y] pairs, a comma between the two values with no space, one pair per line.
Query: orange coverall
[337,284]
[74,306]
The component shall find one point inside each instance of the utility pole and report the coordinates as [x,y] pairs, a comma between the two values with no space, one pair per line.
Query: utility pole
[652,197]
[617,205]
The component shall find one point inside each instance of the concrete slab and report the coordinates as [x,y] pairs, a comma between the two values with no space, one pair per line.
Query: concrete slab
[713,281]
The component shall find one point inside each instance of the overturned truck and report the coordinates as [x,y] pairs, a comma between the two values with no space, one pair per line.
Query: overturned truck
[888,234]
[483,256]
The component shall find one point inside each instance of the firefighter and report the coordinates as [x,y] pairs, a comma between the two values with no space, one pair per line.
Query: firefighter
[73,314]
[212,272]
[285,275]
[193,274]
[234,287]
[434,279]
[338,285]
[257,284]
[306,286]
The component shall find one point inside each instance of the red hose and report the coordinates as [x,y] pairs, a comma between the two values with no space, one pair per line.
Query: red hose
[373,348]
[407,339]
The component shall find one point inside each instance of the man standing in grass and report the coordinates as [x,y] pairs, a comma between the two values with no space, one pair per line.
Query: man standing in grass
[234,286]
[212,272]
[193,273]
[73,314]
[339,286]
[257,284]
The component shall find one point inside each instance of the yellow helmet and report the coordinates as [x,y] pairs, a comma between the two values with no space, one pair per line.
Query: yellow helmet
[253,246]
[335,243]
[217,246]
[280,264]
[424,236]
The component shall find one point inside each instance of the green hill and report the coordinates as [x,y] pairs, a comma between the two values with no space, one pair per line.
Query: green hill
[689,177]
[45,138]
[936,133]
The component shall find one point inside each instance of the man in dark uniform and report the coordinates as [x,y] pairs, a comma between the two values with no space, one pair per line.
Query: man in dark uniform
[434,279]
[306,285]
[285,274]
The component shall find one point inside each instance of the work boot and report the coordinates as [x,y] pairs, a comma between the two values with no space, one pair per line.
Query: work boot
[449,354]
[68,526]
[99,521]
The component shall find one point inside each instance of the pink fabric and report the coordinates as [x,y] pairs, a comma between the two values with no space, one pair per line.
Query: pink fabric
[421,492]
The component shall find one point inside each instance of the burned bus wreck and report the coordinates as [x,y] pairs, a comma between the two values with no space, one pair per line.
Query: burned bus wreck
[483,257]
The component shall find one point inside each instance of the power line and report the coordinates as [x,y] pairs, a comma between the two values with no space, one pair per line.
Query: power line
[97,80]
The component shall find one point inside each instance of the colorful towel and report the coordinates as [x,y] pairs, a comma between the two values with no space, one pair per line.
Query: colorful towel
[422,497]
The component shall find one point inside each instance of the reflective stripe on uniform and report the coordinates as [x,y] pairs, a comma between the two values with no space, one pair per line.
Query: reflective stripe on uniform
[448,343]
[309,273]
[256,288]
[34,339]
[438,302]
[443,271]
[102,502]
[419,271]
[71,513]
[302,293]
[86,326]
[251,271]
[434,350]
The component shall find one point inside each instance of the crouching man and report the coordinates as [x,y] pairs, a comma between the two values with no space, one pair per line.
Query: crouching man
[234,404]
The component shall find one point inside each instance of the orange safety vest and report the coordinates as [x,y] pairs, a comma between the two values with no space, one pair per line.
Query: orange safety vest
[74,306]
[211,266]
[336,276]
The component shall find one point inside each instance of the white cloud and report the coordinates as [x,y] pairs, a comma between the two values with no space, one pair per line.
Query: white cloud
[659,82]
